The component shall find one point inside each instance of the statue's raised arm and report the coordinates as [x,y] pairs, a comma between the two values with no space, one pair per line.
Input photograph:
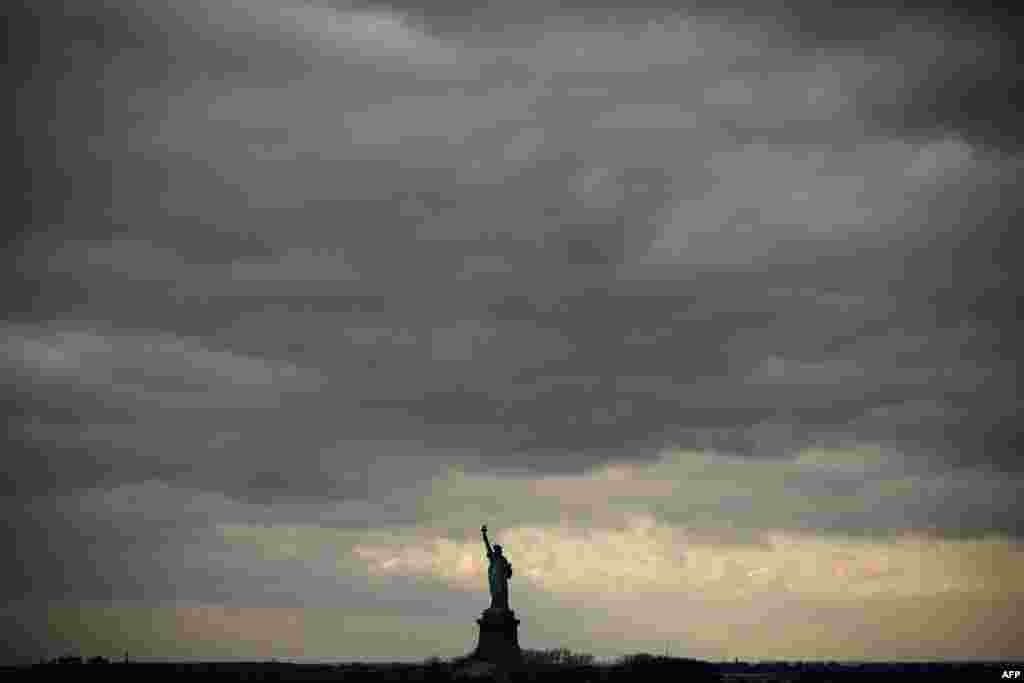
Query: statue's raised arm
[487,543]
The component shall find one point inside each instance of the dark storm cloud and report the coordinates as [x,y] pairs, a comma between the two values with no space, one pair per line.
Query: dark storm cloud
[963,80]
[285,235]
[959,76]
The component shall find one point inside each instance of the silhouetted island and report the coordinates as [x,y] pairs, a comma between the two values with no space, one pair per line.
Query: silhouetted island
[557,665]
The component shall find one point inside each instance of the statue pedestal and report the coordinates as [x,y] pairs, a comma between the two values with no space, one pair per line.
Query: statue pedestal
[499,637]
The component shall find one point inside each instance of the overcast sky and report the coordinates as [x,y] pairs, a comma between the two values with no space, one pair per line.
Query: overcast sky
[708,314]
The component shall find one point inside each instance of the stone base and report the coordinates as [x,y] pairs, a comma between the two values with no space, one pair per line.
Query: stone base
[499,637]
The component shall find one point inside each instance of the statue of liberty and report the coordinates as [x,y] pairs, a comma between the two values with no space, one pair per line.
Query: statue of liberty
[498,573]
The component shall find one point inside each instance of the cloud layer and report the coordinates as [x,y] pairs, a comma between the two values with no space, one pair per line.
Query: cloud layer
[297,262]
